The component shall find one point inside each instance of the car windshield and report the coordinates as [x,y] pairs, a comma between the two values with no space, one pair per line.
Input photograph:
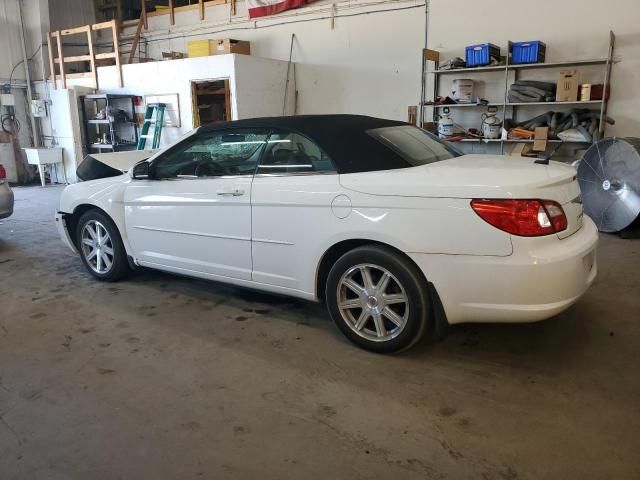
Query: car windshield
[416,146]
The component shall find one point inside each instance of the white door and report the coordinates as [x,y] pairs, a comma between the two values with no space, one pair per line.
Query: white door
[291,198]
[193,215]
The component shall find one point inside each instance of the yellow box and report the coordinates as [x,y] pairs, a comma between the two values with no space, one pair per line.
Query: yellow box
[204,48]
[198,48]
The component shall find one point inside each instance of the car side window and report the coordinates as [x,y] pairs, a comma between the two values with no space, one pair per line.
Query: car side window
[292,153]
[212,154]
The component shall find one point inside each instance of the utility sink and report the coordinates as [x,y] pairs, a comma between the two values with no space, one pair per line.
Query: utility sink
[42,157]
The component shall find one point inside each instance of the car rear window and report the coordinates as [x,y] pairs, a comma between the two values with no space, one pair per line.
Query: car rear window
[416,146]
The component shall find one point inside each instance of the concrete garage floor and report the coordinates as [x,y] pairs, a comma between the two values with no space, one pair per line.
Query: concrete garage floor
[165,377]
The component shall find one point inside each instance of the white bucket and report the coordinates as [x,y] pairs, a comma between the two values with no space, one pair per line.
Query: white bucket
[463,90]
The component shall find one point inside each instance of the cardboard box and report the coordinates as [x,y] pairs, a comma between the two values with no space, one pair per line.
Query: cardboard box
[567,87]
[231,46]
[540,139]
[204,48]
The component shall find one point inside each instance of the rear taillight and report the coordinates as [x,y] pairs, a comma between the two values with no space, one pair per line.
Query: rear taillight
[526,218]
[3,173]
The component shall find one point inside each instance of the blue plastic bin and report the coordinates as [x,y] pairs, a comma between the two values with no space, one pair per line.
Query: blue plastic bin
[528,52]
[481,54]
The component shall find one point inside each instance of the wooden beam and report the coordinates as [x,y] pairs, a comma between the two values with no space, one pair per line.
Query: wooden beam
[102,26]
[80,75]
[172,14]
[61,55]
[77,58]
[104,56]
[186,8]
[136,39]
[233,8]
[72,31]
[227,100]
[92,55]
[116,50]
[431,55]
[52,66]
[143,14]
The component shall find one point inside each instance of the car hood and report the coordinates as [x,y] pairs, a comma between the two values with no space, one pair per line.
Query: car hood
[103,165]
[472,176]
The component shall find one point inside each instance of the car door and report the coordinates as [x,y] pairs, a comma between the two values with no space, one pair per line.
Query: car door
[193,214]
[291,198]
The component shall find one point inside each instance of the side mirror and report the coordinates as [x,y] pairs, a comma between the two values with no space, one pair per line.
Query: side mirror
[140,171]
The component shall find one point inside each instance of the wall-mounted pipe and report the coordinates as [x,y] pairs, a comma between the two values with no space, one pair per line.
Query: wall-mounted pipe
[25,62]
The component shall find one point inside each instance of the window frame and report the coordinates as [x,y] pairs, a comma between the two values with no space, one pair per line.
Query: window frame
[194,137]
[452,150]
[288,131]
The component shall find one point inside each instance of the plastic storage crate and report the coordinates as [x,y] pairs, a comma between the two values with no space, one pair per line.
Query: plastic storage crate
[528,52]
[481,54]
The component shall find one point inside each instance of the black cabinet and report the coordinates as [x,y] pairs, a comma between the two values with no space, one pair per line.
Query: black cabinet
[109,123]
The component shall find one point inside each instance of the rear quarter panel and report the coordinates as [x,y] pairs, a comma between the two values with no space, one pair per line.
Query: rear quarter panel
[294,224]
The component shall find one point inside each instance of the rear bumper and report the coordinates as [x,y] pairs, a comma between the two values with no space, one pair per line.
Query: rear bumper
[543,277]
[61,226]
[6,201]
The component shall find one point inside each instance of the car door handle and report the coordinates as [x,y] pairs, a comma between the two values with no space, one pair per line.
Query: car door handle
[233,191]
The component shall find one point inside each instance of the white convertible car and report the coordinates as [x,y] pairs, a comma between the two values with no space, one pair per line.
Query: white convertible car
[395,230]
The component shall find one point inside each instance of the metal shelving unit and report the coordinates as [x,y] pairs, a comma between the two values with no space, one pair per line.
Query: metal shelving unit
[510,73]
[110,128]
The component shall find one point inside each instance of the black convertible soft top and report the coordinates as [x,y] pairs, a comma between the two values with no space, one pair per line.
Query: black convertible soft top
[343,137]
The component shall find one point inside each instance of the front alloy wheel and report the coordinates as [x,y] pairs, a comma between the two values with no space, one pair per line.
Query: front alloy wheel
[100,246]
[378,298]
[97,247]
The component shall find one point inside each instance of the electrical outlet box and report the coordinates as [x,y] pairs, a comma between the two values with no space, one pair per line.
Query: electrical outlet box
[38,108]
[7,100]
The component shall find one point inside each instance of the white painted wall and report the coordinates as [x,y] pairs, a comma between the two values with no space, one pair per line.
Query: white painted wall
[257,85]
[370,61]
[571,29]
[36,19]
[257,89]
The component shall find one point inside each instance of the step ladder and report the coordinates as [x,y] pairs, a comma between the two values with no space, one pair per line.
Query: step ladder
[157,122]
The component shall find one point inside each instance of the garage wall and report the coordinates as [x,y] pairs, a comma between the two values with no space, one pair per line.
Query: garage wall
[370,61]
[11,54]
[572,29]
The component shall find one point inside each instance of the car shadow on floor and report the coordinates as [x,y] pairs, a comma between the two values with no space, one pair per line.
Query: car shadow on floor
[555,340]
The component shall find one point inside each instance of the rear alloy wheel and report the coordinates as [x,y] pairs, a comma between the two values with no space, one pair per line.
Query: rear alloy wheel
[101,247]
[378,299]
[372,302]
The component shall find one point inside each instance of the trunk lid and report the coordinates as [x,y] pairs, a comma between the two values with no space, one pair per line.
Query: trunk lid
[479,176]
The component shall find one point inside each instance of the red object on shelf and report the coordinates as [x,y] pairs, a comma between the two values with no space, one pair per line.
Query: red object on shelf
[598,89]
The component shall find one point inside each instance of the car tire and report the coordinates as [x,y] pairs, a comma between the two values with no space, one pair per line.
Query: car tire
[100,246]
[379,299]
